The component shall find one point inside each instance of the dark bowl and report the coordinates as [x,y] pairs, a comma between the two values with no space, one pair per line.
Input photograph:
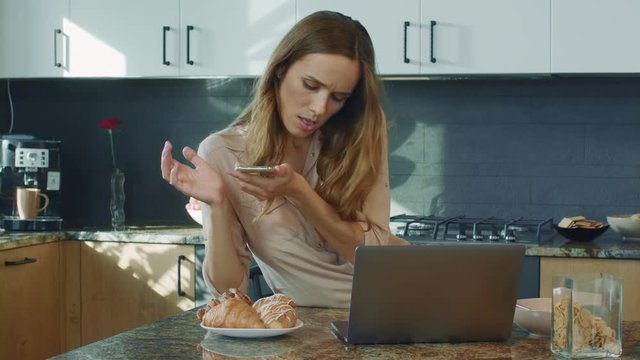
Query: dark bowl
[581,234]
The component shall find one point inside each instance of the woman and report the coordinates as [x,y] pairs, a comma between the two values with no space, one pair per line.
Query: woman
[316,117]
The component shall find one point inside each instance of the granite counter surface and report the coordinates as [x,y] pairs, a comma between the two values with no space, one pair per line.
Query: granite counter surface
[179,235]
[605,247]
[181,337]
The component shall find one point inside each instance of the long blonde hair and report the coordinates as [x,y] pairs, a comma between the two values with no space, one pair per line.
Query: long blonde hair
[352,140]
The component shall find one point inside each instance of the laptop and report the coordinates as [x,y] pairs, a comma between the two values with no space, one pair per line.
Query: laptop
[432,293]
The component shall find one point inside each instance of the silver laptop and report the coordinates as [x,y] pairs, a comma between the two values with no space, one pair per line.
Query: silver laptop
[432,293]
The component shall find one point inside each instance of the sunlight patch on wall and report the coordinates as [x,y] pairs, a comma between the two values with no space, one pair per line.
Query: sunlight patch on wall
[90,56]
[266,19]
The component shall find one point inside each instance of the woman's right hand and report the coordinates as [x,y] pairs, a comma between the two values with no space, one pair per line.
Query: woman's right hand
[201,182]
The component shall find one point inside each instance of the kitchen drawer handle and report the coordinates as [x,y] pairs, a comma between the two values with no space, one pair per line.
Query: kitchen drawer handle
[433,25]
[189,61]
[164,45]
[406,26]
[20,262]
[180,292]
[56,32]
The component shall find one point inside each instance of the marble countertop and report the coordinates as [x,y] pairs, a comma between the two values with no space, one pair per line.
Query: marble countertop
[610,246]
[181,337]
[181,235]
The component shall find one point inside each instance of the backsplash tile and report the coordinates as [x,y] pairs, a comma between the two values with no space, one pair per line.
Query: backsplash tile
[538,148]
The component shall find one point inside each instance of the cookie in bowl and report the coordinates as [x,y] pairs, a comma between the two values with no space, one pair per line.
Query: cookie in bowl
[581,229]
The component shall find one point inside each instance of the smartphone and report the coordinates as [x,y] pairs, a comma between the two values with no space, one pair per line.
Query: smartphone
[252,169]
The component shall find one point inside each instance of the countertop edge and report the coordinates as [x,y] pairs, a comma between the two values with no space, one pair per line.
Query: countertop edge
[189,235]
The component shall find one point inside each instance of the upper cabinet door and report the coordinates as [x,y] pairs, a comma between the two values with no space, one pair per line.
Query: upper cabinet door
[122,38]
[385,22]
[31,40]
[485,37]
[221,37]
[595,36]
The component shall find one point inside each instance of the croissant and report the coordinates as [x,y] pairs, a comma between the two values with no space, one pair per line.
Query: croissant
[200,313]
[276,297]
[232,313]
[276,311]
[235,293]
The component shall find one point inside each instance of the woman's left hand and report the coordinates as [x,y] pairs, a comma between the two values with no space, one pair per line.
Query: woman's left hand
[265,187]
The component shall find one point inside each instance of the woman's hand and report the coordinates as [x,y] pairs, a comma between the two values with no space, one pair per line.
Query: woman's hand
[201,182]
[265,187]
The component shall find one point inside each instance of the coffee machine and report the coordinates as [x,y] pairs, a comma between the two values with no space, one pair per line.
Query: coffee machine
[26,161]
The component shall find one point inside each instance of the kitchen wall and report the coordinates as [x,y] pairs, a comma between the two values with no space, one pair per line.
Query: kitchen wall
[538,148]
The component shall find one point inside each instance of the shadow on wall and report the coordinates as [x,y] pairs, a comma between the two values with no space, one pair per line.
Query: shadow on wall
[538,148]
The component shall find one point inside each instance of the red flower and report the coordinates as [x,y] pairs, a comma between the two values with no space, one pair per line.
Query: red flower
[109,123]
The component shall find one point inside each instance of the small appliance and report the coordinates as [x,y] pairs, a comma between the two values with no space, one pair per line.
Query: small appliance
[26,161]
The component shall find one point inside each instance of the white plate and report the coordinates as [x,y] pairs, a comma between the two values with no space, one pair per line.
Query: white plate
[252,333]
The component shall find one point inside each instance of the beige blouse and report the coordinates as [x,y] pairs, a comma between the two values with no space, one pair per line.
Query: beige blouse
[293,257]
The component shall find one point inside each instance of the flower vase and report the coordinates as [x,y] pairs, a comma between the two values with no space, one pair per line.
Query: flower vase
[117,200]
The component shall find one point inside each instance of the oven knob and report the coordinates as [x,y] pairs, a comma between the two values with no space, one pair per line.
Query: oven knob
[478,237]
[510,236]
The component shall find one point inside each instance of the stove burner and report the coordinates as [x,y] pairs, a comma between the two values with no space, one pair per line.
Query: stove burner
[461,228]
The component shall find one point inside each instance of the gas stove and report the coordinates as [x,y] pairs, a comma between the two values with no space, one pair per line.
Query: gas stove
[479,230]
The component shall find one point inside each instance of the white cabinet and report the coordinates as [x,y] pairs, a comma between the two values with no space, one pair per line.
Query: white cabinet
[595,36]
[29,33]
[451,36]
[224,37]
[385,22]
[149,38]
[122,38]
[485,37]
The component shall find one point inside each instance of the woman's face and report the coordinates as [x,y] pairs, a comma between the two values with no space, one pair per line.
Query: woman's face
[314,89]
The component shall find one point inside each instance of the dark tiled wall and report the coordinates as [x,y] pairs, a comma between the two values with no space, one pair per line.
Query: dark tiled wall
[509,147]
[536,148]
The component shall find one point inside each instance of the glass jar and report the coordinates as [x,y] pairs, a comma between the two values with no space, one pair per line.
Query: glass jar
[586,316]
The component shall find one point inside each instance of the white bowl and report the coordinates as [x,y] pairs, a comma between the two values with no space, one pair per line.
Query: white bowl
[627,225]
[536,320]
[196,215]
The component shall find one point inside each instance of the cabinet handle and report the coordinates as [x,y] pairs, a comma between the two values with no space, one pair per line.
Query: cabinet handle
[56,63]
[164,45]
[189,61]
[433,25]
[406,26]
[20,262]
[180,292]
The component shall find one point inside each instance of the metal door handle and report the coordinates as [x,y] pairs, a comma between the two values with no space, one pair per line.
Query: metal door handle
[406,26]
[20,262]
[189,61]
[180,292]
[56,63]
[433,25]
[164,45]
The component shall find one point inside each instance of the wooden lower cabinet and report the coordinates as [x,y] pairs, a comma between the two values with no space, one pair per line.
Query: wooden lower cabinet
[30,302]
[628,270]
[126,285]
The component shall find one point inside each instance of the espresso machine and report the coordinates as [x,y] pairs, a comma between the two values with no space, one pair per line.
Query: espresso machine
[26,161]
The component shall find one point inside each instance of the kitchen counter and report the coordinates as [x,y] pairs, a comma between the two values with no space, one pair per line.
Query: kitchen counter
[181,337]
[608,246]
[180,235]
